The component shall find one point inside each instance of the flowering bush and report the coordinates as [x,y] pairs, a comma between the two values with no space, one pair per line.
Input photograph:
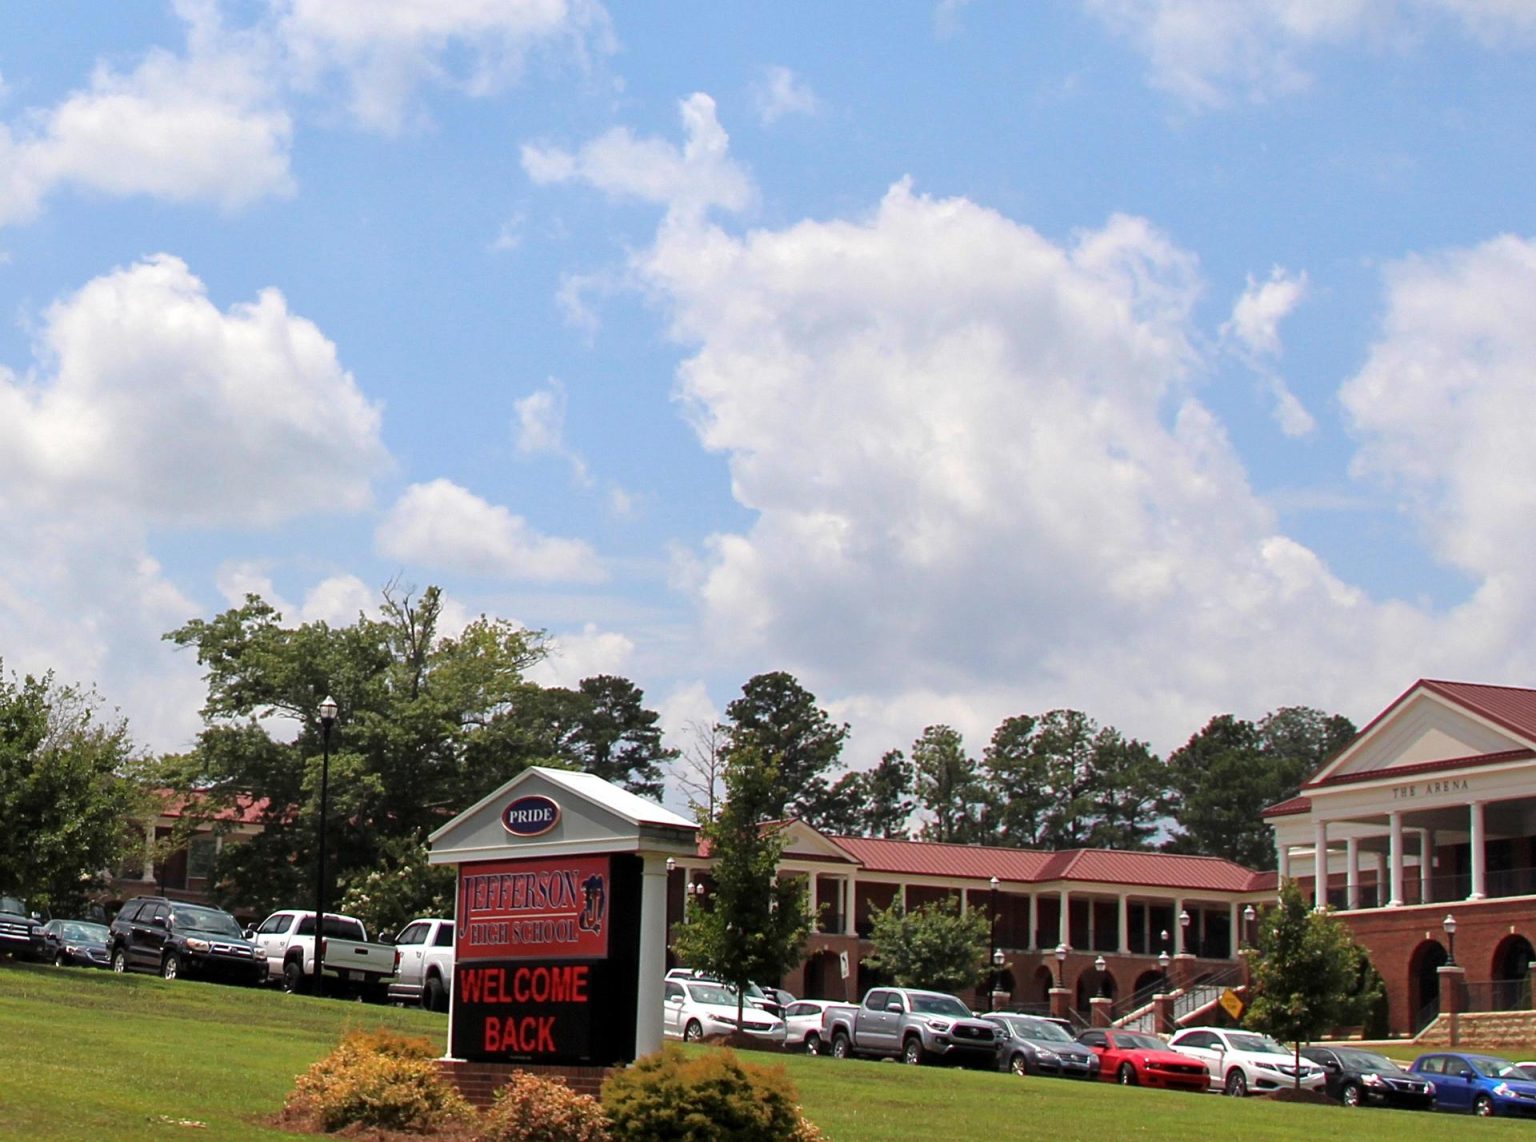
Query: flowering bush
[678,1097]
[534,1109]
[379,1079]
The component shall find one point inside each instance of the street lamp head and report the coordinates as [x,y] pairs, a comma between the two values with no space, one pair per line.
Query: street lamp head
[993,882]
[1249,914]
[1099,964]
[328,712]
[1061,951]
[1162,960]
[998,958]
[1449,924]
[671,864]
[1183,918]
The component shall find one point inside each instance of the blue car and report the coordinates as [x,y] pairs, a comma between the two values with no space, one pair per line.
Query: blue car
[1483,1084]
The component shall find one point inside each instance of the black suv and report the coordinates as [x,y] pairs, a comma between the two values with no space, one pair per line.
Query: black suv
[21,932]
[176,939]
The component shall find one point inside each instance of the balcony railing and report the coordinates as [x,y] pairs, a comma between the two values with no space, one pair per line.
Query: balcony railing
[1449,889]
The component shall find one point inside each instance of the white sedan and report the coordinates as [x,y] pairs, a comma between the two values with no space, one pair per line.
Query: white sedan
[692,1009]
[802,1023]
[1242,1062]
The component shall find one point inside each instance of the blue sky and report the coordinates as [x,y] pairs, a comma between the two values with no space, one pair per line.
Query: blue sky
[1157,358]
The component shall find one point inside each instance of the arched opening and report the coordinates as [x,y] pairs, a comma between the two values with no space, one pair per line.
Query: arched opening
[824,977]
[1092,984]
[1511,974]
[1040,987]
[1147,979]
[1424,983]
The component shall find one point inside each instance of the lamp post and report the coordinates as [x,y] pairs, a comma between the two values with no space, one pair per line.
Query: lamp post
[1163,936]
[327,720]
[992,909]
[1098,966]
[1162,962]
[1449,924]
[1061,964]
[1184,931]
[1249,916]
[997,975]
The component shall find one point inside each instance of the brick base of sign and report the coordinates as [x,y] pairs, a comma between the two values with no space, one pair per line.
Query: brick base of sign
[479,1082]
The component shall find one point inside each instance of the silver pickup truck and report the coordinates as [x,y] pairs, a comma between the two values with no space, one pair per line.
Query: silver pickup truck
[914,1026]
[424,964]
[353,966]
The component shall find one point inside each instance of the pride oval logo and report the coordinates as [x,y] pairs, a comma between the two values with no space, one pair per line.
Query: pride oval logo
[530,816]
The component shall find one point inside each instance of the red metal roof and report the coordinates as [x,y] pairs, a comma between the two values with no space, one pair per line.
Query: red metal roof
[1417,767]
[1285,808]
[1014,866]
[1512,707]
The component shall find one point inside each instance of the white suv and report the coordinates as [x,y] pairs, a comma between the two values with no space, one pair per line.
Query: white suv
[1244,1061]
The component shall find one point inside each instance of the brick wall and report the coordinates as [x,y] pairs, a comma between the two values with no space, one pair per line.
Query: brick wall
[478,1082]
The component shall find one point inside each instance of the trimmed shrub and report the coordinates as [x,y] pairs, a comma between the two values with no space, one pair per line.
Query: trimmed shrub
[378,1079]
[531,1108]
[676,1096]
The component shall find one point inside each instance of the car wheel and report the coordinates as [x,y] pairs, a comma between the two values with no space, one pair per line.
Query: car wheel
[1237,1084]
[812,1043]
[1127,1075]
[1482,1106]
[693,1032]
[119,961]
[912,1051]
[61,960]
[1018,1064]
[293,977]
[170,967]
[433,997]
[1350,1095]
[840,1046]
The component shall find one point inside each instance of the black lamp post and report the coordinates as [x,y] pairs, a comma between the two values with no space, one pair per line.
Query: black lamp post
[1162,962]
[1098,966]
[997,975]
[327,720]
[1061,965]
[1184,931]
[1249,916]
[1449,924]
[992,907]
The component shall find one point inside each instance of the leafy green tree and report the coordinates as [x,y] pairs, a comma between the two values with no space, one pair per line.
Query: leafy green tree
[947,785]
[756,923]
[427,726]
[782,719]
[69,786]
[1309,975]
[872,803]
[1223,778]
[602,727]
[933,946]
[401,888]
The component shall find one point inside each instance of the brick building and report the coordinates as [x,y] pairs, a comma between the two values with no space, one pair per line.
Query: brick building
[1053,915]
[1422,834]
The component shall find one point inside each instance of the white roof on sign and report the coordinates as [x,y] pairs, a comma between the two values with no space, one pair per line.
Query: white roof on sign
[599,813]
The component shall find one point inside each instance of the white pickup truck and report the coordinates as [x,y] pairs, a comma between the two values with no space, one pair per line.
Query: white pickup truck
[353,966]
[424,964]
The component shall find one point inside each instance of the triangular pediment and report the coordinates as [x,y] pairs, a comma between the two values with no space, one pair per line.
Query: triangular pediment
[1424,725]
[801,840]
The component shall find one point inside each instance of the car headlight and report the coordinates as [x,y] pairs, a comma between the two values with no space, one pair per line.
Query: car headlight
[939,1025]
[1046,1053]
[196,945]
[1371,1080]
[723,1020]
[1503,1091]
[71,950]
[1430,1088]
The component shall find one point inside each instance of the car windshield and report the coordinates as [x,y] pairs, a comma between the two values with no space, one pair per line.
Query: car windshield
[1038,1029]
[1367,1061]
[79,930]
[1491,1067]
[1257,1044]
[712,993]
[1127,1041]
[940,1005]
[209,920]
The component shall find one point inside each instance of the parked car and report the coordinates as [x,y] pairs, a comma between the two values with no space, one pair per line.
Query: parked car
[353,966]
[694,1008]
[1134,1058]
[1486,1085]
[914,1026]
[1357,1077]
[175,939]
[1030,1045]
[424,964]
[81,943]
[802,1023]
[766,999]
[1241,1062]
[21,932]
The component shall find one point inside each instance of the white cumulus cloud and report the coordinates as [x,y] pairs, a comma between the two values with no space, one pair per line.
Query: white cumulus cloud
[781,92]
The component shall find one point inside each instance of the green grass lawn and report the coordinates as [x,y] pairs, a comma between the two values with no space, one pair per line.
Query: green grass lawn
[86,1054]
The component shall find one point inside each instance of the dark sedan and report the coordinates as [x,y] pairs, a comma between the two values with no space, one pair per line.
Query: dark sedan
[1031,1045]
[77,943]
[1357,1077]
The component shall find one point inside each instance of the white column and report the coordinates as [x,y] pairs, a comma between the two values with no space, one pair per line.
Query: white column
[1351,872]
[1381,879]
[653,953]
[1064,925]
[1479,853]
[1320,864]
[1029,937]
[1426,864]
[1283,862]
[1178,929]
[848,906]
[1125,925]
[1234,933]
[1395,860]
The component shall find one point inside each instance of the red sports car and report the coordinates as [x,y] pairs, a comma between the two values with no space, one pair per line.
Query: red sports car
[1133,1058]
